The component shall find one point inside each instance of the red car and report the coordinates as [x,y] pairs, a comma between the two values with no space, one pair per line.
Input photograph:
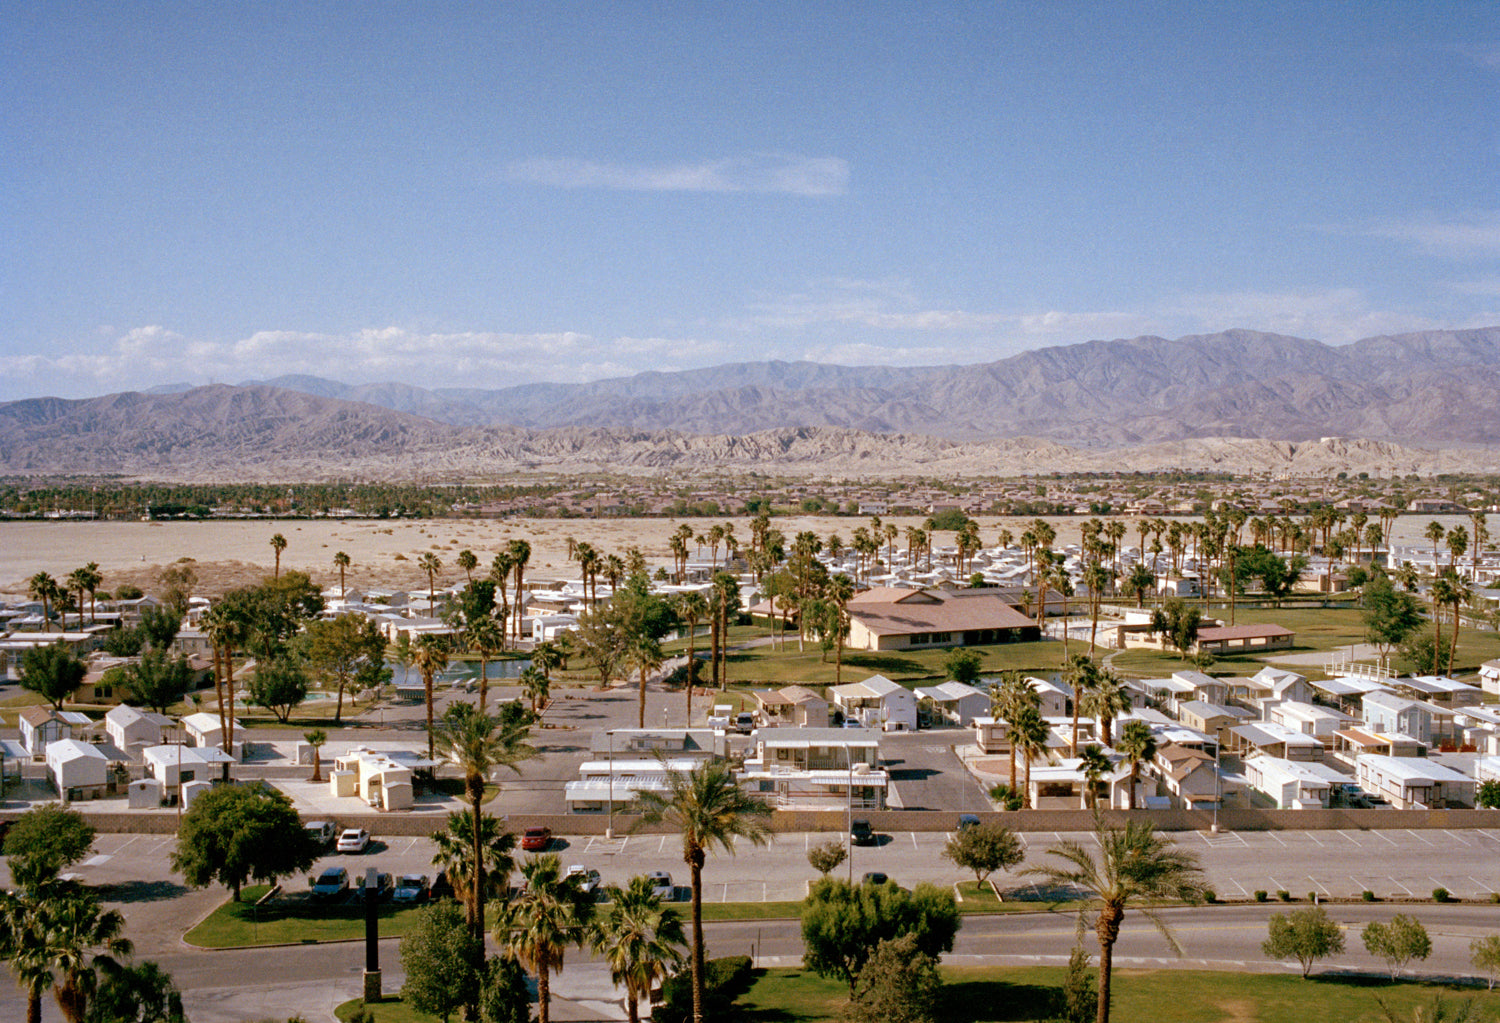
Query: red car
[536,839]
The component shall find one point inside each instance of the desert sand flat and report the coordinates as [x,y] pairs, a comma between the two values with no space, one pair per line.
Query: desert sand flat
[229,553]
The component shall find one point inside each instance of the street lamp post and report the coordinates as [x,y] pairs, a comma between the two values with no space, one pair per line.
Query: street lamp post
[1218,787]
[609,832]
[849,815]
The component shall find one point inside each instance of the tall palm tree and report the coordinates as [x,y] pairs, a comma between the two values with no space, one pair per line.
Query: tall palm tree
[78,582]
[432,565]
[709,809]
[478,744]
[341,562]
[640,939]
[455,856]
[486,637]
[316,738]
[644,650]
[500,570]
[227,631]
[1459,593]
[56,936]
[1008,701]
[1028,735]
[535,686]
[837,594]
[1106,699]
[1082,673]
[468,561]
[520,556]
[537,927]
[278,544]
[692,607]
[1139,746]
[44,588]
[1094,764]
[1134,864]
[1435,533]
[1441,592]
[430,655]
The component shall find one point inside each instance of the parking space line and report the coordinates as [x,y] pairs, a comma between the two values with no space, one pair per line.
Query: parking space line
[1398,884]
[1277,839]
[1460,839]
[1359,883]
[1383,837]
[1418,837]
[1478,884]
[913,835]
[1350,838]
[1314,838]
[1239,886]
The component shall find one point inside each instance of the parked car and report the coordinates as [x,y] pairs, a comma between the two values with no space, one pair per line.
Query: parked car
[852,723]
[860,832]
[322,832]
[873,877]
[661,885]
[588,880]
[442,888]
[722,716]
[967,820]
[332,882]
[411,888]
[384,885]
[744,722]
[354,840]
[536,839]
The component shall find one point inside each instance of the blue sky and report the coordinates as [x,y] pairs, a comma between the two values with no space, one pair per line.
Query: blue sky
[489,194]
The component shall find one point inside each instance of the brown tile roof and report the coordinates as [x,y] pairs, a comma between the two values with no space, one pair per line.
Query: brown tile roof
[949,612]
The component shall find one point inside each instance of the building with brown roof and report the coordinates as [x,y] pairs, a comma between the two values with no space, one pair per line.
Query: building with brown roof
[896,619]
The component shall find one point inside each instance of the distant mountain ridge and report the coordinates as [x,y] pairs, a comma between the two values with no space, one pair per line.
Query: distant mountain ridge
[1101,394]
[1239,402]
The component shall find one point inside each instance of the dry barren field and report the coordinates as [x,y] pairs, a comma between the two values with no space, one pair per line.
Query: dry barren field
[233,553]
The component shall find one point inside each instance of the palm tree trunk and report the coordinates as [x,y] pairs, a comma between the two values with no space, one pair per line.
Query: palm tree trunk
[427,685]
[691,654]
[641,698]
[228,714]
[476,916]
[484,679]
[1134,769]
[33,1006]
[543,992]
[1077,699]
[695,863]
[1107,930]
[1452,647]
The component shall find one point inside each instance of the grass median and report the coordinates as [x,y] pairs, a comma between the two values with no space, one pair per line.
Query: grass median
[242,924]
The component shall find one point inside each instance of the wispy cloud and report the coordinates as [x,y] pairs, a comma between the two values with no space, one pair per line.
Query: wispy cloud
[1465,235]
[760,172]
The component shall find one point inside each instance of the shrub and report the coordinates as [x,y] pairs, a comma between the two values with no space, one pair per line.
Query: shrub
[1284,895]
[1440,894]
[1210,896]
[724,980]
[1312,897]
[1008,799]
[1367,895]
[1495,897]
[1260,895]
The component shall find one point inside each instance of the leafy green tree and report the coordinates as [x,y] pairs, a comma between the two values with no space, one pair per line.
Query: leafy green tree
[601,642]
[984,849]
[827,857]
[1397,942]
[53,672]
[1178,624]
[539,925]
[709,810]
[505,997]
[1487,796]
[1080,994]
[962,665]
[1305,935]
[640,939]
[50,837]
[1134,864]
[439,955]
[158,681]
[900,984]
[346,652]
[842,924]
[1484,954]
[279,686]
[236,833]
[1391,616]
[1425,654]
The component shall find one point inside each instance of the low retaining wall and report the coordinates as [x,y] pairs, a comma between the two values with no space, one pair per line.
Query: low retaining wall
[415,824]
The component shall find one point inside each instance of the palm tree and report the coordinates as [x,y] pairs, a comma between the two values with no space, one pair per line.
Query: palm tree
[44,588]
[640,939]
[690,608]
[478,744]
[535,686]
[1139,746]
[341,562]
[316,738]
[455,856]
[1028,735]
[519,552]
[78,582]
[1140,580]
[1134,864]
[837,593]
[1458,594]
[645,650]
[1106,699]
[1094,763]
[1008,700]
[430,655]
[709,809]
[56,937]
[468,561]
[500,569]
[227,630]
[278,544]
[486,637]
[1082,673]
[551,913]
[1441,592]
[1435,533]
[431,564]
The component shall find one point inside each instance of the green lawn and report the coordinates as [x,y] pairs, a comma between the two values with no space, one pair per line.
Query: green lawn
[238,924]
[762,665]
[986,994]
[392,1010]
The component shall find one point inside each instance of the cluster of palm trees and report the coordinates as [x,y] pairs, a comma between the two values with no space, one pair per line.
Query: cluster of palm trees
[61,595]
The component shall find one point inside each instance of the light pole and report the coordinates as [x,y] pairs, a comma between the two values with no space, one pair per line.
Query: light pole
[1218,787]
[849,815]
[609,832]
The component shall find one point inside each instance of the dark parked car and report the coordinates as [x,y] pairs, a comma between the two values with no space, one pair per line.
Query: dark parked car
[411,888]
[967,820]
[384,884]
[873,877]
[860,832]
[536,839]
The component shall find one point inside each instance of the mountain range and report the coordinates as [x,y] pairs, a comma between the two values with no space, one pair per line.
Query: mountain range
[1238,400]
